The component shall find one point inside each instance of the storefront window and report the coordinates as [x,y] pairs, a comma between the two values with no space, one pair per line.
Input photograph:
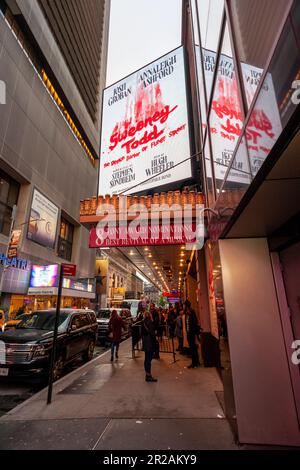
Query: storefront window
[226,120]
[255,25]
[9,191]
[65,240]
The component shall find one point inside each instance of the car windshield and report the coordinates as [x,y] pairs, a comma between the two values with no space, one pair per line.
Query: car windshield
[43,321]
[103,314]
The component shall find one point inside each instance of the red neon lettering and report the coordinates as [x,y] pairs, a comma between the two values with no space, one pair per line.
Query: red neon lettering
[160,116]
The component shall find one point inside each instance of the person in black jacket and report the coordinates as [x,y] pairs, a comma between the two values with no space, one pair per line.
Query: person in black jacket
[156,323]
[192,328]
[149,338]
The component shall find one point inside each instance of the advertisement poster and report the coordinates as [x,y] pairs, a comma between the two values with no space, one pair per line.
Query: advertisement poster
[226,121]
[101,276]
[145,128]
[43,220]
[43,276]
[14,243]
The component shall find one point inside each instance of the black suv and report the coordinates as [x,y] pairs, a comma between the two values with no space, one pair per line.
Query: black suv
[28,346]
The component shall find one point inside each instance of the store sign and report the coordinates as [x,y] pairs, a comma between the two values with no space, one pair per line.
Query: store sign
[118,293]
[226,120]
[170,294]
[173,300]
[43,220]
[171,234]
[14,262]
[42,291]
[145,128]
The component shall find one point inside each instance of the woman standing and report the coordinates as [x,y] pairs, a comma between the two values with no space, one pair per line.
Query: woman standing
[115,326]
[149,339]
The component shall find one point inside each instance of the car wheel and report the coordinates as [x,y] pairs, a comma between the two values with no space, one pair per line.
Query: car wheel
[89,353]
[58,368]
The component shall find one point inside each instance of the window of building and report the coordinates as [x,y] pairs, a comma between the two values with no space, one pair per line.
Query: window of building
[210,14]
[9,192]
[274,106]
[255,25]
[65,240]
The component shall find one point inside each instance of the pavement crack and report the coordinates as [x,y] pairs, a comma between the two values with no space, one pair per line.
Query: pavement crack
[102,434]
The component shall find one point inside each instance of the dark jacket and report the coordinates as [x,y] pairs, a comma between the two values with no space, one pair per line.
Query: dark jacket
[192,325]
[148,334]
[115,326]
[155,316]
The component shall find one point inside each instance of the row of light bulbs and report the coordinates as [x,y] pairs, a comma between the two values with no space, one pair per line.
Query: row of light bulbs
[156,267]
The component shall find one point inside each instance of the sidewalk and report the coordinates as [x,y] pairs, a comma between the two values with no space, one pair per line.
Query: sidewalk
[110,406]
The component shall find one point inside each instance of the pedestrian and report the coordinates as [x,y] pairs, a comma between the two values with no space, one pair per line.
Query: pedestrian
[142,305]
[178,331]
[115,326]
[193,330]
[185,343]
[156,323]
[148,335]
[171,321]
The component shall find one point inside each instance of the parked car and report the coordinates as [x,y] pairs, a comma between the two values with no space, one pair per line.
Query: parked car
[28,347]
[103,316]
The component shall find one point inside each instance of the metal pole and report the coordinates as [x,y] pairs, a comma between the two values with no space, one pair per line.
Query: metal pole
[173,347]
[54,343]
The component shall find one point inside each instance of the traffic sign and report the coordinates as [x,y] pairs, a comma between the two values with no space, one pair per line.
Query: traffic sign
[69,270]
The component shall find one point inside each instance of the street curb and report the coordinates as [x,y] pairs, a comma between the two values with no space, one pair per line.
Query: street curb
[63,383]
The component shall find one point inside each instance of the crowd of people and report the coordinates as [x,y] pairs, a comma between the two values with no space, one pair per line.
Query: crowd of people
[178,321]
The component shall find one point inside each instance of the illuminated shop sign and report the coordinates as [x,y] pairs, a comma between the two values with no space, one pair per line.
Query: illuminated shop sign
[82,285]
[145,128]
[43,276]
[14,262]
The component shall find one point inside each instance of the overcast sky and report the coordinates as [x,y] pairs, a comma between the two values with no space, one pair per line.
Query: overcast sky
[140,32]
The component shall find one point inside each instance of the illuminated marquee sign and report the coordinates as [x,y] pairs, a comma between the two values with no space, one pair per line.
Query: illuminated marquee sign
[145,128]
